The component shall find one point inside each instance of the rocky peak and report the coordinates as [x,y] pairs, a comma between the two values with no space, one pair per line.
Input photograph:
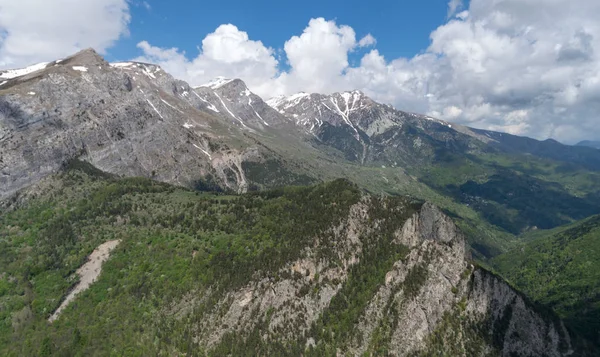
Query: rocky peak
[9,74]
[232,100]
[135,69]
[129,118]
[233,89]
[430,223]
[216,83]
[87,57]
[351,109]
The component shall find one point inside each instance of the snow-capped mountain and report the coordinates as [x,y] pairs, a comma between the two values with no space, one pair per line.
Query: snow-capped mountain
[353,109]
[126,118]
[232,100]
[135,119]
[363,129]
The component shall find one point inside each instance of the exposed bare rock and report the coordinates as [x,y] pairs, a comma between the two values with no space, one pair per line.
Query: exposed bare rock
[129,119]
[88,274]
[431,300]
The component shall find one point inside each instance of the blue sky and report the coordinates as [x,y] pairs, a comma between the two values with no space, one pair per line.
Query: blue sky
[402,28]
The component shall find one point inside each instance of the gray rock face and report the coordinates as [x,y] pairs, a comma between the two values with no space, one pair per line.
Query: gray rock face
[517,328]
[367,131]
[352,109]
[291,307]
[429,224]
[129,118]
[431,301]
[234,102]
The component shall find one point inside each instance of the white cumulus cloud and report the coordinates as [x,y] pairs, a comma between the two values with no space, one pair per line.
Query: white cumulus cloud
[454,6]
[227,52]
[367,41]
[528,67]
[43,30]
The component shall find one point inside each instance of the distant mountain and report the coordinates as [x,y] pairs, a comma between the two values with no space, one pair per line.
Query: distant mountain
[361,128]
[134,119]
[591,144]
[495,173]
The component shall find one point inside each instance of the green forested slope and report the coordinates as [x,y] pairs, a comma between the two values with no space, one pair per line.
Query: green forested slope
[183,253]
[174,242]
[561,269]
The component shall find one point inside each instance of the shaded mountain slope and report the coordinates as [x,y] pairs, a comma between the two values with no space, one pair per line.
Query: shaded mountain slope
[561,269]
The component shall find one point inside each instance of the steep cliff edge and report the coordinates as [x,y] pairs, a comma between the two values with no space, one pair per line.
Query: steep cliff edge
[430,301]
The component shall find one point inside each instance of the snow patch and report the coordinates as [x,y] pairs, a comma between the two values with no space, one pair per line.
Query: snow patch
[275,101]
[217,83]
[148,73]
[31,93]
[345,115]
[3,83]
[121,64]
[204,151]
[229,111]
[297,97]
[13,73]
[80,68]
[188,125]
[153,107]
[281,103]
[167,103]
[258,115]
[209,106]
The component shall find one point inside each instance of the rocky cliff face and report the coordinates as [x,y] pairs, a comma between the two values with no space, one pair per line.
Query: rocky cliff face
[128,118]
[233,101]
[430,300]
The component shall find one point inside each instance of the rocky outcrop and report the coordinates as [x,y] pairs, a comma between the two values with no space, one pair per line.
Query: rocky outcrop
[291,302]
[431,300]
[515,326]
[234,102]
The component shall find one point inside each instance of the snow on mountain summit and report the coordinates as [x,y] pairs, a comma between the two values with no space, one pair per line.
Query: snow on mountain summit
[218,82]
[13,73]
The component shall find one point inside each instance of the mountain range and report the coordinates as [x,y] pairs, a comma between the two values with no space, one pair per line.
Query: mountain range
[133,119]
[589,143]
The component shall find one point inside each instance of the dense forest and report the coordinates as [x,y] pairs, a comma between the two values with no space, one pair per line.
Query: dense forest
[560,268]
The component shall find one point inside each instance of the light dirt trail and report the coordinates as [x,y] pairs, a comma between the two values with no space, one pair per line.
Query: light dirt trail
[88,273]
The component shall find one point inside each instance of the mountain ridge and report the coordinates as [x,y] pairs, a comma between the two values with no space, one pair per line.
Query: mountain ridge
[589,143]
[134,119]
[364,274]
